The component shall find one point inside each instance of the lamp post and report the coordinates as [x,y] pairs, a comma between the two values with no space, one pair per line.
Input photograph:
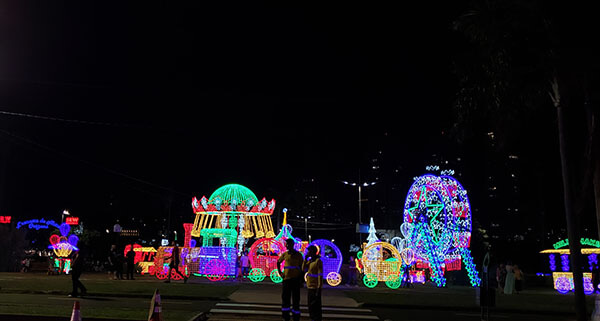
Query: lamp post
[360,186]
[65,212]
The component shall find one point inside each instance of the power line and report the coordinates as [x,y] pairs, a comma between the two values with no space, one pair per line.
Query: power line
[91,164]
[74,121]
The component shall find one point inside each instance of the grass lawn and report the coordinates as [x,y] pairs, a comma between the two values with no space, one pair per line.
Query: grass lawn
[539,300]
[39,294]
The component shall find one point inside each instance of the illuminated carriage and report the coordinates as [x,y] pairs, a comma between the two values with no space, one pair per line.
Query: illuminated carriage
[331,256]
[381,261]
[437,227]
[234,206]
[263,257]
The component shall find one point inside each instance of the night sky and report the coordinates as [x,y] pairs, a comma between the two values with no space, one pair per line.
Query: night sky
[151,101]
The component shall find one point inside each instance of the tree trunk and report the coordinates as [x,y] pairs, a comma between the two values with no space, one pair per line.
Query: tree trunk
[572,221]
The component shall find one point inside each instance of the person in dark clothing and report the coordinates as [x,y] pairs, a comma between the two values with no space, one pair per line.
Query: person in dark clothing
[112,262]
[292,280]
[175,263]
[119,266]
[76,270]
[130,258]
[596,277]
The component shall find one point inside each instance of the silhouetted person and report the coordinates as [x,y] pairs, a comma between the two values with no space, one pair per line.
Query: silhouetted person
[313,266]
[175,257]
[292,280]
[596,277]
[112,262]
[130,259]
[76,270]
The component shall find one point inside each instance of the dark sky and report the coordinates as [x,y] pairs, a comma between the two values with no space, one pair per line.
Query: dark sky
[192,96]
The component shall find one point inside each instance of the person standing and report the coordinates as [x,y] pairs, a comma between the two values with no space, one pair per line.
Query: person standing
[596,277]
[501,276]
[518,279]
[76,270]
[174,265]
[352,271]
[509,284]
[292,280]
[314,282]
[112,262]
[245,262]
[130,259]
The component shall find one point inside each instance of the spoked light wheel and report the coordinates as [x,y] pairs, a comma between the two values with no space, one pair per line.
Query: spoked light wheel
[370,280]
[256,275]
[334,278]
[275,276]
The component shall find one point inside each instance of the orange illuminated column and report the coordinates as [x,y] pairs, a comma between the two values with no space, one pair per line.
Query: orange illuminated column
[187,227]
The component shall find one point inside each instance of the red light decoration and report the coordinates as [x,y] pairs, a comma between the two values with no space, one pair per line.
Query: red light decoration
[72,220]
[5,219]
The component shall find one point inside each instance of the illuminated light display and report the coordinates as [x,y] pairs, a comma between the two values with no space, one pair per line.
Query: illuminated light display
[381,261]
[331,256]
[161,266]
[563,281]
[564,262]
[5,219]
[38,224]
[72,220]
[263,257]
[236,207]
[552,261]
[437,226]
[417,276]
[286,233]
[583,241]
[187,227]
[61,245]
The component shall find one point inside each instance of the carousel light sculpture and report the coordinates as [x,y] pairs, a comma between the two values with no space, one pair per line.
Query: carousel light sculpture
[331,256]
[236,207]
[437,214]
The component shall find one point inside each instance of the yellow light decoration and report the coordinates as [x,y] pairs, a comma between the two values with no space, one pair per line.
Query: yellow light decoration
[381,262]
[62,249]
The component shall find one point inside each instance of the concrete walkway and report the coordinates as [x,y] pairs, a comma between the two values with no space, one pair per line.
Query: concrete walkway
[262,301]
[269,293]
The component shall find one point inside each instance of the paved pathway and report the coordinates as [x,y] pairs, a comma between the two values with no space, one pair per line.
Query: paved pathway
[262,302]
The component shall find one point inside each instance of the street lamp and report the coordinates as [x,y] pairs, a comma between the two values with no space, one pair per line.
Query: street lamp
[65,212]
[360,186]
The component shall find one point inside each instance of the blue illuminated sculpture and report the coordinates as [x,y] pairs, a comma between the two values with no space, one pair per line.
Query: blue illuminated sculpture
[437,225]
[331,256]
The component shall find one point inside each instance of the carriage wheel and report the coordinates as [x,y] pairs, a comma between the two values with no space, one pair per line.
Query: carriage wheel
[334,278]
[370,280]
[161,274]
[275,277]
[256,275]
[393,281]
[215,271]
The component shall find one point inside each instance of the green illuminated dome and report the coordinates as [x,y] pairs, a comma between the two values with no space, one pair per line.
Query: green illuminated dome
[230,192]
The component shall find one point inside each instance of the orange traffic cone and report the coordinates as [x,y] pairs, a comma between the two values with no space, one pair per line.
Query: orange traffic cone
[155,313]
[76,315]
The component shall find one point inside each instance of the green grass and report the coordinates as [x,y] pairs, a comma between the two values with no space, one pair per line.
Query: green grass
[459,297]
[39,294]
[99,284]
